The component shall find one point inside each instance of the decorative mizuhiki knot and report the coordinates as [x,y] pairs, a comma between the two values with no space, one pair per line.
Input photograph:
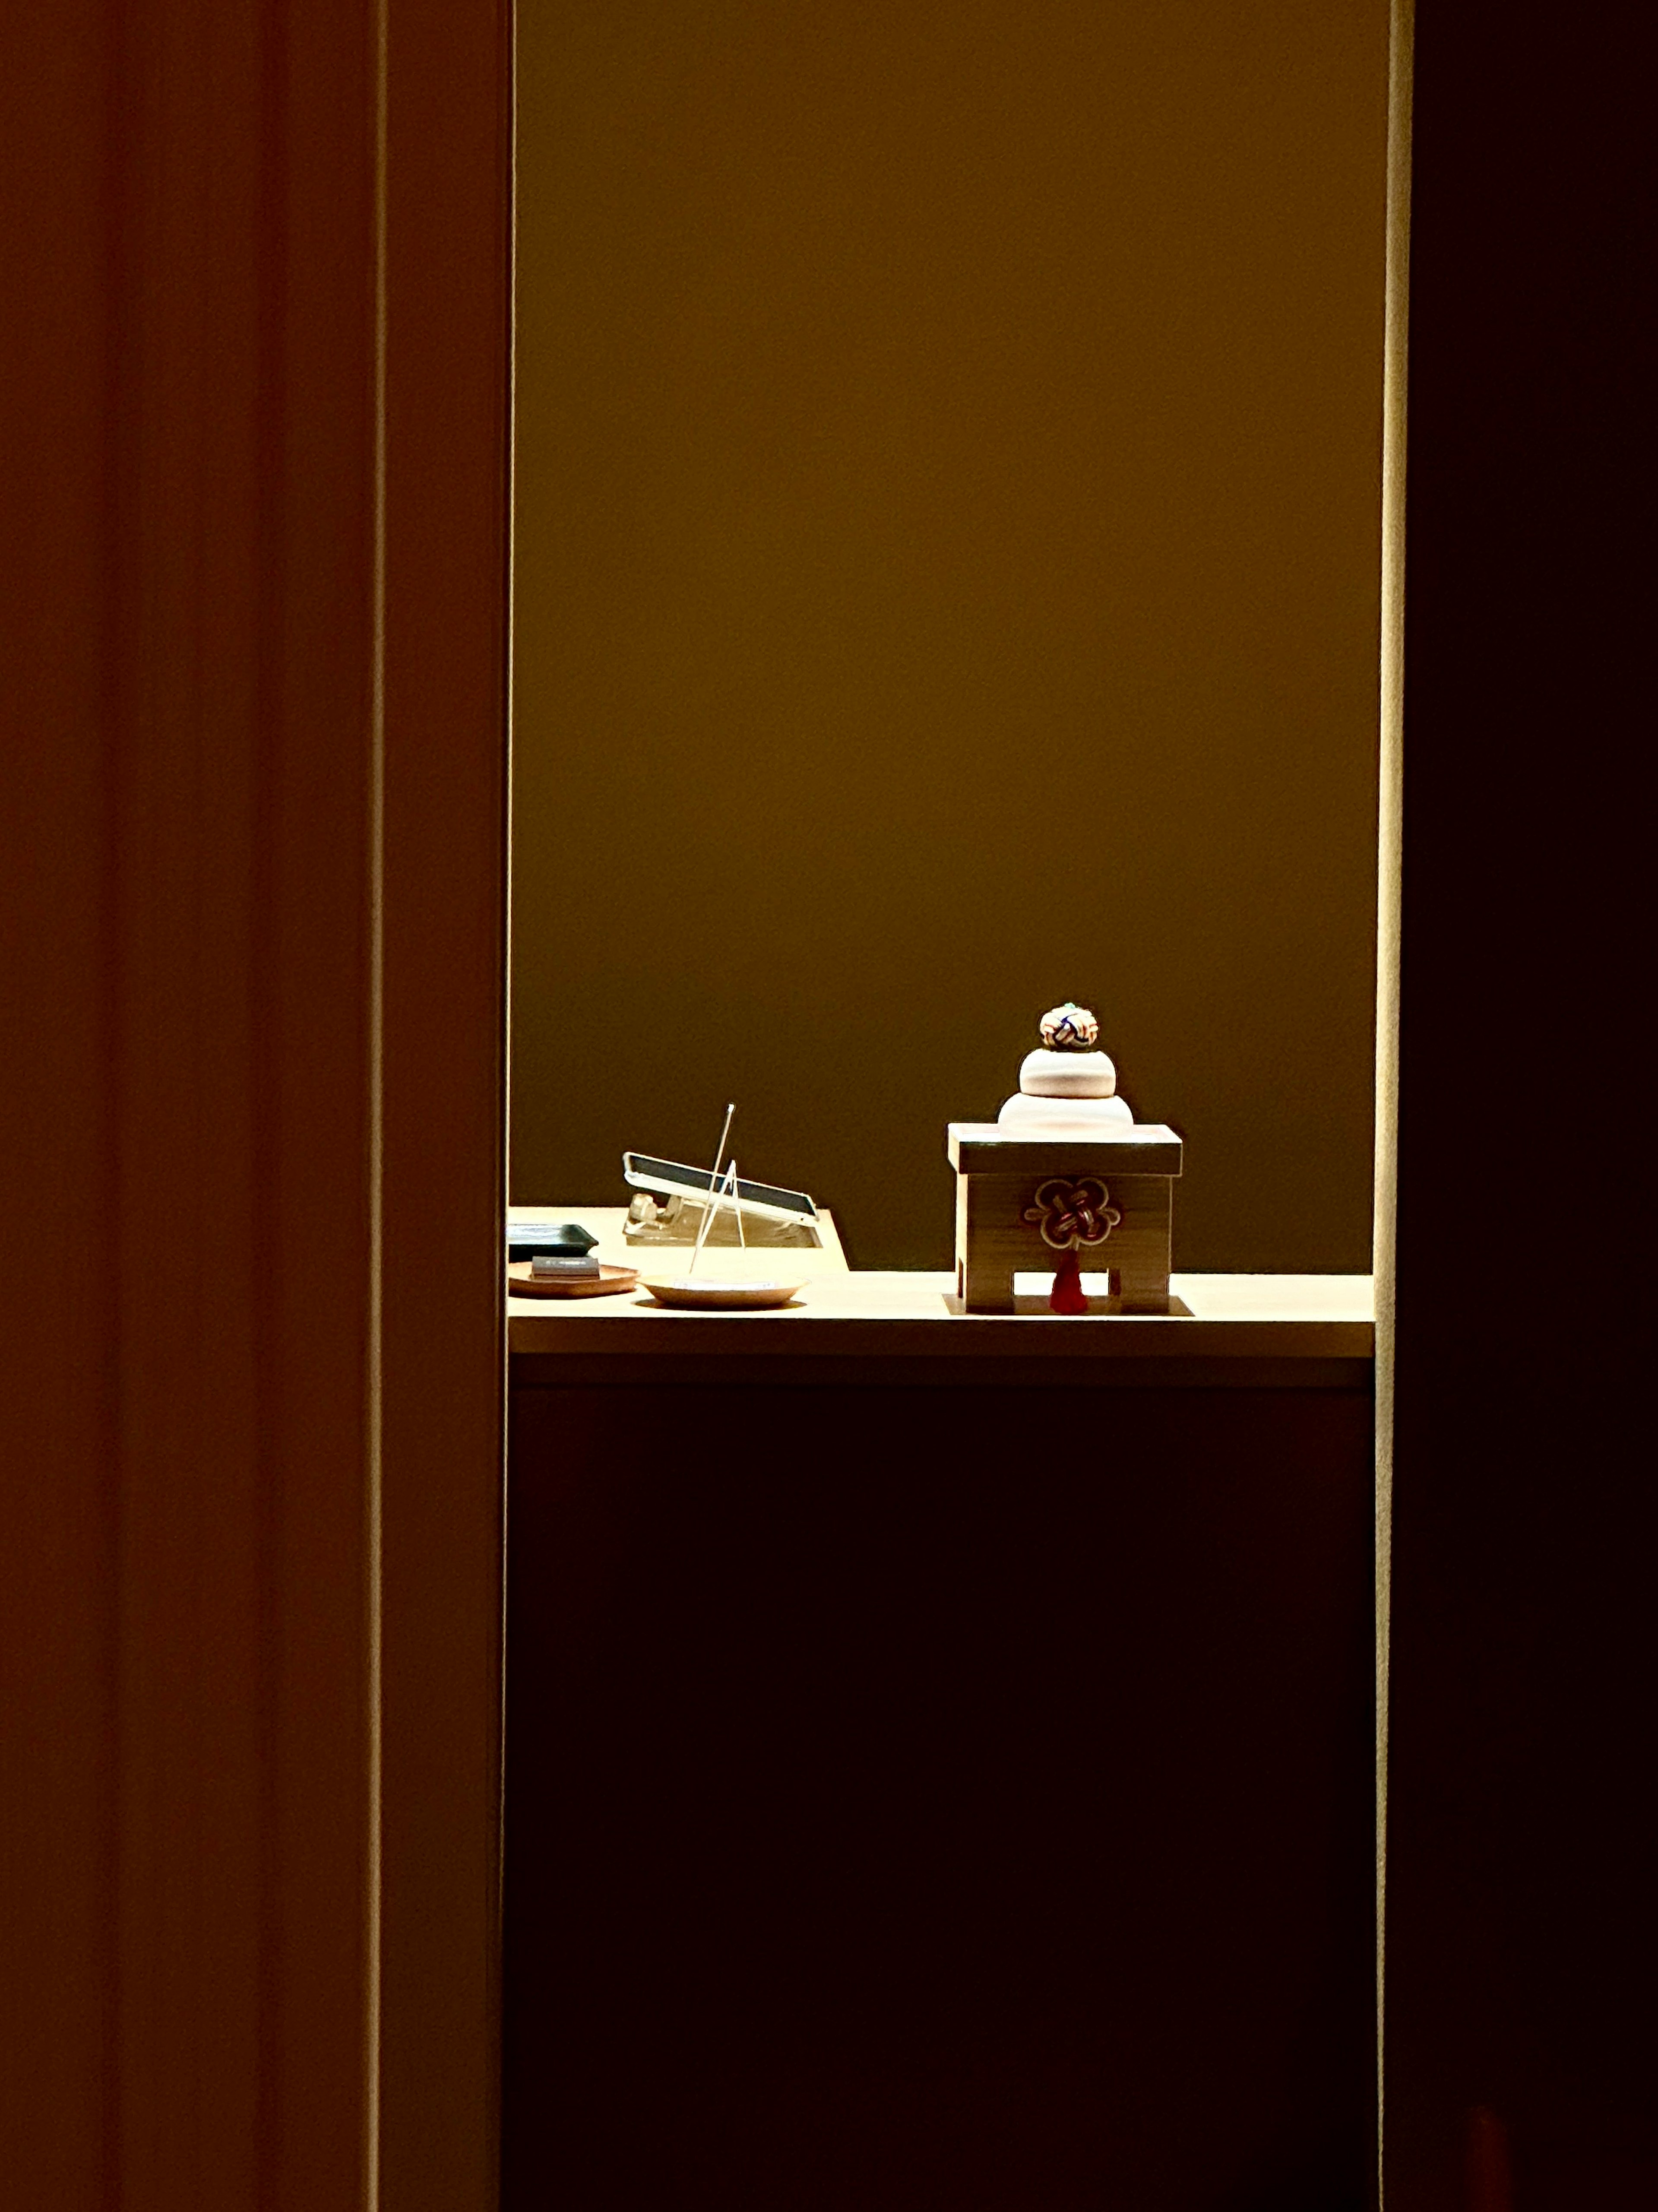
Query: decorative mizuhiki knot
[1073,1214]
[1071,1217]
[1069,1029]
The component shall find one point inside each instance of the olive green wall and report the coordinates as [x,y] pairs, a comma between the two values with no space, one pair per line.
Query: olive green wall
[947,559]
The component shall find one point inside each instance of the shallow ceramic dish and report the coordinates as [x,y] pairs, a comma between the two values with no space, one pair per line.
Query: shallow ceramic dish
[521,1283]
[709,1293]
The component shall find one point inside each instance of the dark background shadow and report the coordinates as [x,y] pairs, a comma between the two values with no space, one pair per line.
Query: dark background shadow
[904,1810]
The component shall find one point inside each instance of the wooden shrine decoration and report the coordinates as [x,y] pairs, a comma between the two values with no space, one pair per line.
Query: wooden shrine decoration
[1044,1200]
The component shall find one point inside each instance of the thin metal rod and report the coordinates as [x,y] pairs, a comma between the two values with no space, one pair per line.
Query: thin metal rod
[713,1187]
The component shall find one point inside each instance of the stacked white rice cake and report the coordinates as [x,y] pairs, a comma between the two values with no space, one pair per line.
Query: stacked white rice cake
[1066,1078]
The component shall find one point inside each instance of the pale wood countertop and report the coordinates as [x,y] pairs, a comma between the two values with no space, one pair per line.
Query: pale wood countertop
[1320,1318]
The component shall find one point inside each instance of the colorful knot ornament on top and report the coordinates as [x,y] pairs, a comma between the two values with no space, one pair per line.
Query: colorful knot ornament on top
[1069,1029]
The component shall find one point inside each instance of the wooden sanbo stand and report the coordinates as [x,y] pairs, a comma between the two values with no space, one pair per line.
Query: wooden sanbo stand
[1002,1197]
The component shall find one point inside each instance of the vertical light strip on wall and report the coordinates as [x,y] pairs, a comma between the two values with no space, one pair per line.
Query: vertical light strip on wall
[1395,381]
[375,1412]
[505,1192]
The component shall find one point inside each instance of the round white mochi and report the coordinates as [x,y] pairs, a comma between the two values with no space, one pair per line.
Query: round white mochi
[1044,1074]
[1033,1113]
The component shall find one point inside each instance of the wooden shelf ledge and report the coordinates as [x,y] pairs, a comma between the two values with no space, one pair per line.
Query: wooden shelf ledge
[1285,1330]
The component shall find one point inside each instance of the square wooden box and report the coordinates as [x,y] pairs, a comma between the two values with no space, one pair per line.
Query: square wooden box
[999,1173]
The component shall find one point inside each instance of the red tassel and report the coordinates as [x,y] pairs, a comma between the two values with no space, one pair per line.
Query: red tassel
[1067,1295]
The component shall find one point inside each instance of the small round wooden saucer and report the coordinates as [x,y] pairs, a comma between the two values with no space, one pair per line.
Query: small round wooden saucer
[523,1284]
